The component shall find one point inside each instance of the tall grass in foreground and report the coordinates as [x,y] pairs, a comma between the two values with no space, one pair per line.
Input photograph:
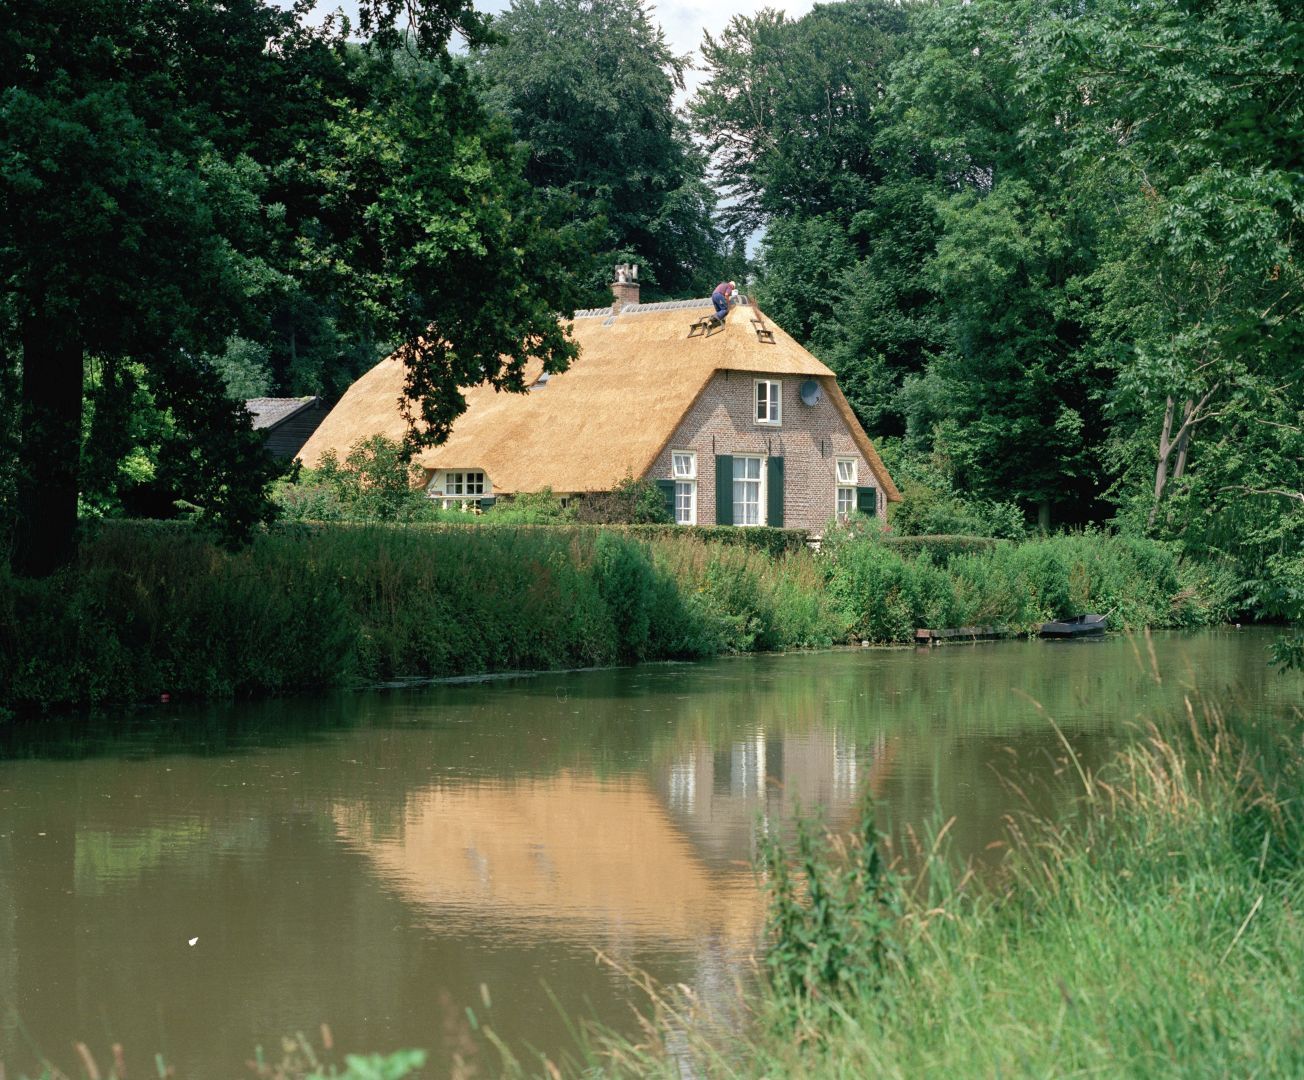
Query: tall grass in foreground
[1160,932]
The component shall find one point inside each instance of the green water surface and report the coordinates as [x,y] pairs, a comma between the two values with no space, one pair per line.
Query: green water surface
[410,864]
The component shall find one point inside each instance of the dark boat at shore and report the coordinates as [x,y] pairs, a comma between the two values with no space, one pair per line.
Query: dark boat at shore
[1078,626]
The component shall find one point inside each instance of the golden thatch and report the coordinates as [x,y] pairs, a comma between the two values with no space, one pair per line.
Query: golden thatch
[606,418]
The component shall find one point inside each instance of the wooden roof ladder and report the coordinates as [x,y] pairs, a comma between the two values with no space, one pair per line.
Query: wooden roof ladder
[706,326]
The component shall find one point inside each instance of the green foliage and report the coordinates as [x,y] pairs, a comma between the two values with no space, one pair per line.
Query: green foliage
[179,173]
[834,931]
[588,88]
[1288,652]
[886,588]
[155,609]
[1063,263]
[772,541]
[530,508]
[883,597]
[243,366]
[932,504]
[792,110]
[300,1060]
[630,502]
[941,548]
[375,482]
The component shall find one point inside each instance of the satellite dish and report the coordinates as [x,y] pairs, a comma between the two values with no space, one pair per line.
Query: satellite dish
[810,392]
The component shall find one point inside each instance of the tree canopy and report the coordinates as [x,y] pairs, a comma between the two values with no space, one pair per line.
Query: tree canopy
[177,172]
[1055,250]
[588,87]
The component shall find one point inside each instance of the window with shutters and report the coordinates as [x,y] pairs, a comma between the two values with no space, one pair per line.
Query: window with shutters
[769,402]
[846,497]
[748,496]
[684,467]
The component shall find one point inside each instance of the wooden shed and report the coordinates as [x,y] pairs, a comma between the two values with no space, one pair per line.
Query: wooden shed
[286,423]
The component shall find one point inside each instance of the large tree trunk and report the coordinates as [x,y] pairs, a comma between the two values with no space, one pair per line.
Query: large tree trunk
[50,452]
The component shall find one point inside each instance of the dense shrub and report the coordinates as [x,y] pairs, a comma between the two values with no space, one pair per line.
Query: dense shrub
[630,502]
[530,508]
[156,608]
[374,482]
[941,547]
[885,589]
[933,505]
[771,541]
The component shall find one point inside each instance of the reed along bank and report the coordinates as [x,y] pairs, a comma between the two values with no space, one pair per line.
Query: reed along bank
[155,609]
[1154,930]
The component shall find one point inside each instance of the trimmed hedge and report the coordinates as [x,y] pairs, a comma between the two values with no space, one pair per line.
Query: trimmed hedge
[942,548]
[763,538]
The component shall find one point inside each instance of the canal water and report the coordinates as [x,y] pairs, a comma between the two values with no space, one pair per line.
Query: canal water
[410,865]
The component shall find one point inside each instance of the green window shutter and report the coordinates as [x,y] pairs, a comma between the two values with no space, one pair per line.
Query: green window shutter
[668,493]
[867,500]
[724,489]
[487,503]
[774,492]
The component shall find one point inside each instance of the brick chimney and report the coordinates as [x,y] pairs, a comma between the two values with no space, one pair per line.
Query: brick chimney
[624,290]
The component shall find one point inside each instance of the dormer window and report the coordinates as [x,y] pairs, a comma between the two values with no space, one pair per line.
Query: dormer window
[464,483]
[769,402]
[458,489]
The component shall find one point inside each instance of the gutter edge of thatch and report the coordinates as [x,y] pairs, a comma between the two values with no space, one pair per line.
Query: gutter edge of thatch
[670,435]
[862,440]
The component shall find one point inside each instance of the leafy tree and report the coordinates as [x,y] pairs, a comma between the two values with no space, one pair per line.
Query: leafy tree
[588,87]
[798,117]
[1198,120]
[791,110]
[174,172]
[244,369]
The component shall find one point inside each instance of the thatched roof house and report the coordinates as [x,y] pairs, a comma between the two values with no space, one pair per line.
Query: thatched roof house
[644,399]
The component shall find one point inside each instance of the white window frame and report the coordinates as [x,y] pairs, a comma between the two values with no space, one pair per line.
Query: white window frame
[758,480]
[461,497]
[683,470]
[772,403]
[845,488]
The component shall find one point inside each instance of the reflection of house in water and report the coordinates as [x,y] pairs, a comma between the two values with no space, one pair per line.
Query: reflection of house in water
[718,796]
[619,863]
[570,856]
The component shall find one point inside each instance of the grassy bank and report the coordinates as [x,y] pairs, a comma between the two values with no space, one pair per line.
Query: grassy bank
[156,609]
[1156,933]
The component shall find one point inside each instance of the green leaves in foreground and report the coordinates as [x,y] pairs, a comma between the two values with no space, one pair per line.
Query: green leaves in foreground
[832,923]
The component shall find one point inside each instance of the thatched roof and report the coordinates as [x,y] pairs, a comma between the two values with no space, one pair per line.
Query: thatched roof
[606,418]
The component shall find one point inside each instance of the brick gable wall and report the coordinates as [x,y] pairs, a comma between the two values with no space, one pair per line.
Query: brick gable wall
[810,440]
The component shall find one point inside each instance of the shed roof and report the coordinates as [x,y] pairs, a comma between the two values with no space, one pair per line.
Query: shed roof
[270,411]
[607,417]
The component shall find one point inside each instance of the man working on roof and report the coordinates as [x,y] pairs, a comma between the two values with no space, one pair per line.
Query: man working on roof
[721,297]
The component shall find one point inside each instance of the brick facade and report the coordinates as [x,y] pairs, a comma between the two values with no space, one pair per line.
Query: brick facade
[810,439]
